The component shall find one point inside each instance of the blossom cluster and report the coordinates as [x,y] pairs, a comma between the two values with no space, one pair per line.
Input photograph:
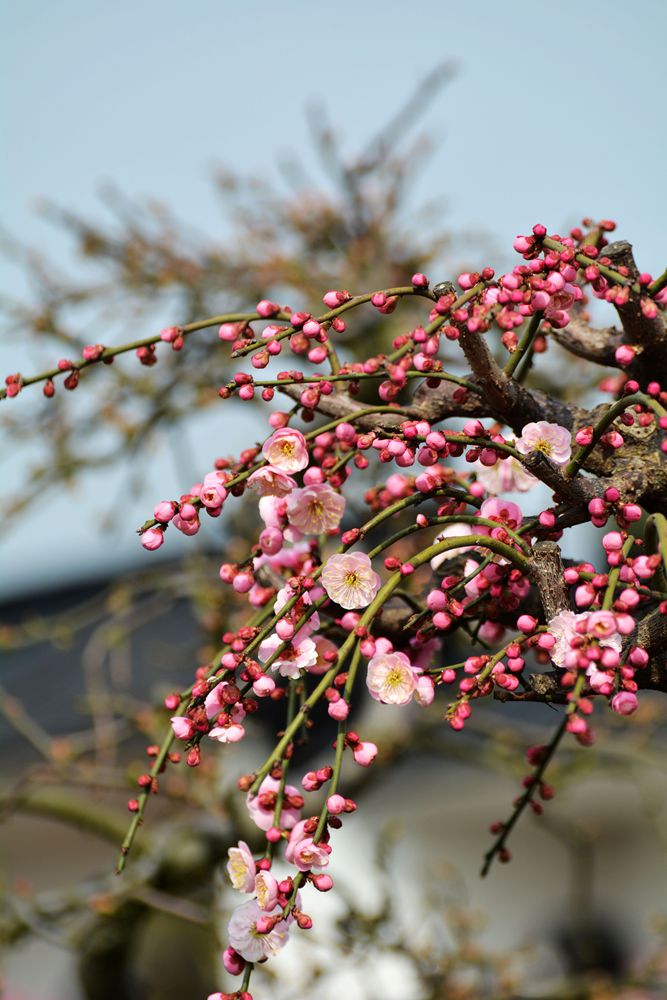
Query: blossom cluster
[385,542]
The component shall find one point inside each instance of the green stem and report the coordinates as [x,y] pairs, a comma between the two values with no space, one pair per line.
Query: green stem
[525,343]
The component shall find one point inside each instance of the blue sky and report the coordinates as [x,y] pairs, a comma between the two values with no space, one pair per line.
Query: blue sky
[555,112]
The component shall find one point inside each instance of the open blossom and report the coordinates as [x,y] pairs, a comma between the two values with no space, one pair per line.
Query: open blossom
[564,629]
[391,678]
[241,867]
[246,939]
[227,734]
[315,509]
[261,806]
[350,580]
[295,657]
[268,481]
[451,531]
[552,440]
[286,450]
[506,476]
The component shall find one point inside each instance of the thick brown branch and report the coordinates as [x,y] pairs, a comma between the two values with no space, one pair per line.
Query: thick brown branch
[589,343]
[548,575]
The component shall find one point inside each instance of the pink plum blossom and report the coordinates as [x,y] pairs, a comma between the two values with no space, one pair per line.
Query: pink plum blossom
[241,867]
[183,727]
[306,854]
[294,658]
[315,509]
[266,888]
[227,734]
[364,753]
[564,629]
[552,440]
[286,450]
[503,511]
[624,703]
[261,806]
[506,476]
[349,580]
[268,481]
[391,678]
[245,938]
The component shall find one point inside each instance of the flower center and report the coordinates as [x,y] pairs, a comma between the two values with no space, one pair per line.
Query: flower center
[287,448]
[394,677]
[544,446]
[352,579]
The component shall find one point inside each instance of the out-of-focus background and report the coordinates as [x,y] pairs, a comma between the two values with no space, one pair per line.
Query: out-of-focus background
[160,164]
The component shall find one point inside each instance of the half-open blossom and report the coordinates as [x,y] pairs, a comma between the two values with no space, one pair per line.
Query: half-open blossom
[246,939]
[266,887]
[268,481]
[215,703]
[291,660]
[182,727]
[315,509]
[286,450]
[391,678]
[306,854]
[241,867]
[349,580]
[552,440]
[506,476]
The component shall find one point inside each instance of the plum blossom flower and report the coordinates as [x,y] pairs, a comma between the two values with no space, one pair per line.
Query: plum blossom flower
[506,476]
[305,601]
[241,867]
[246,939]
[451,531]
[564,629]
[315,509]
[215,703]
[261,806]
[349,580]
[182,727]
[306,854]
[391,678]
[266,887]
[504,511]
[286,450]
[624,703]
[552,440]
[295,657]
[268,481]
[227,734]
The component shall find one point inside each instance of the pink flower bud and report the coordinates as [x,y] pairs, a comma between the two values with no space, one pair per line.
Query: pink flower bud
[365,753]
[625,354]
[336,804]
[624,703]
[152,538]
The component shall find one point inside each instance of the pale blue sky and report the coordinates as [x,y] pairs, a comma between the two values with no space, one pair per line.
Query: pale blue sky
[556,112]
